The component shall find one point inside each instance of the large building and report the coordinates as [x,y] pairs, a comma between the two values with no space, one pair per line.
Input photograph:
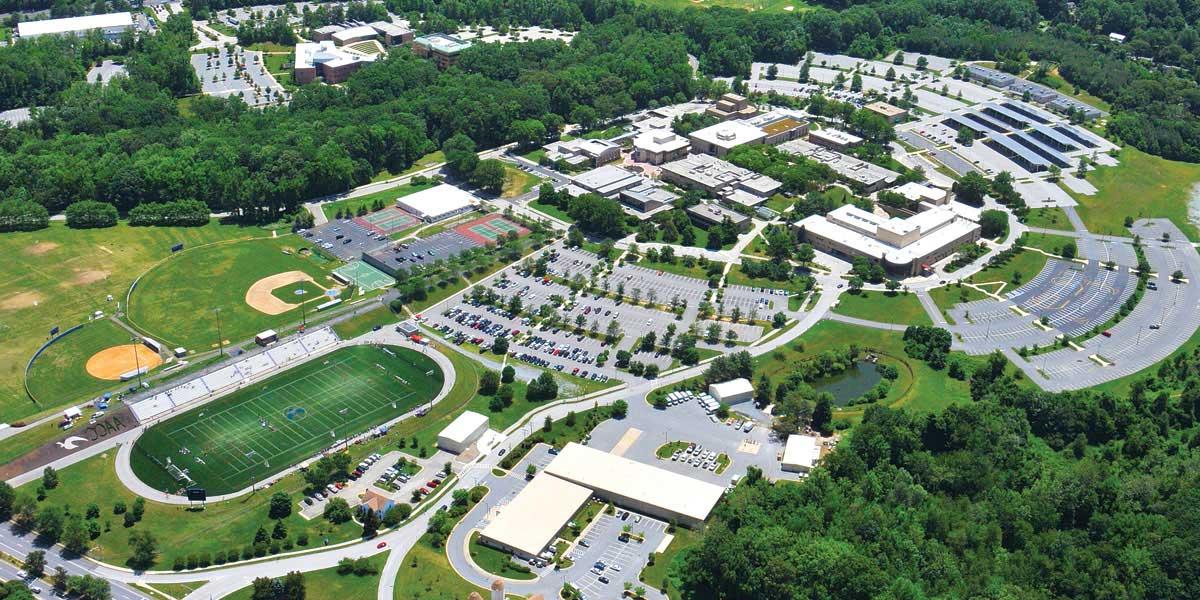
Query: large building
[719,139]
[732,106]
[637,486]
[780,126]
[353,35]
[721,179]
[918,193]
[658,146]
[732,391]
[801,453]
[531,521]
[438,202]
[893,114]
[990,77]
[326,60]
[642,197]
[463,432]
[111,26]
[579,152]
[903,247]
[834,139]
[865,176]
[391,34]
[443,49]
[706,215]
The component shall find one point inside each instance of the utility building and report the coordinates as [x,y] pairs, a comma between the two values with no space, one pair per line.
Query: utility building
[462,433]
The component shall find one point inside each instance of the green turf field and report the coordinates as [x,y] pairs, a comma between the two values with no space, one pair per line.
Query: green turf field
[247,436]
[287,293]
[60,370]
[174,301]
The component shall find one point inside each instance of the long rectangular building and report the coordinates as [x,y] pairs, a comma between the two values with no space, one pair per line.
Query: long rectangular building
[110,25]
[531,521]
[637,486]
[868,177]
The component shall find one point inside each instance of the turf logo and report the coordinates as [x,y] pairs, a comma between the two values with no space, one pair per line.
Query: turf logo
[71,443]
[294,413]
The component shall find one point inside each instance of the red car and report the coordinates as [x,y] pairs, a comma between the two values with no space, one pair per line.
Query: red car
[432,483]
[381,545]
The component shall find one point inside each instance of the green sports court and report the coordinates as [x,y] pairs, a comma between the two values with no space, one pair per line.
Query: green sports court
[255,432]
[388,220]
[366,277]
[488,228]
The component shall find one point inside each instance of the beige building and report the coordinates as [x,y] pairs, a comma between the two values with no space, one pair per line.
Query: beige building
[530,522]
[732,106]
[894,114]
[658,146]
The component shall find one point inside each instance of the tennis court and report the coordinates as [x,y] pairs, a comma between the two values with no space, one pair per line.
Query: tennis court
[387,221]
[488,228]
[366,277]
[260,430]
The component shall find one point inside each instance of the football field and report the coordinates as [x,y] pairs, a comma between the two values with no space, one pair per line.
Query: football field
[262,429]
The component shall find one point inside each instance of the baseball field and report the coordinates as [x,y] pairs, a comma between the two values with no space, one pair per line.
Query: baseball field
[255,432]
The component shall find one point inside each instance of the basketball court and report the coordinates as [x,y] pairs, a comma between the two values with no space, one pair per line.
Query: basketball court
[488,228]
[387,221]
[366,277]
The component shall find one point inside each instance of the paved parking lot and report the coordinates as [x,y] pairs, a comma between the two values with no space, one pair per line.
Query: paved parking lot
[237,73]
[622,561]
[346,238]
[1075,298]
[761,302]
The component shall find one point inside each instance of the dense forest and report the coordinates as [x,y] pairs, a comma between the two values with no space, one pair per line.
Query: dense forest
[1021,494]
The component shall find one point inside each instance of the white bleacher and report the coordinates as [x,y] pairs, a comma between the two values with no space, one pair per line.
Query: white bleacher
[186,392]
[256,365]
[286,353]
[319,340]
[223,378]
[152,407]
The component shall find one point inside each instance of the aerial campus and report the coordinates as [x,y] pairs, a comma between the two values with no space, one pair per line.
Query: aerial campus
[649,299]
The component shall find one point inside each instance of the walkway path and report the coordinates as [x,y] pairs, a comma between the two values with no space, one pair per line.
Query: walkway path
[832,316]
[931,308]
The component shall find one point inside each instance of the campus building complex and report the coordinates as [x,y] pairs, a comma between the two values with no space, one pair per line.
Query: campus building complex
[865,176]
[642,197]
[1034,92]
[441,48]
[903,247]
[327,61]
[579,152]
[721,179]
[658,146]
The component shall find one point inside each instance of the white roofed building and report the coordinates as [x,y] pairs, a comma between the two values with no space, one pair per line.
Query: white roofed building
[638,486]
[581,151]
[658,146]
[352,35]
[719,139]
[531,521]
[918,193]
[834,139]
[462,433]
[732,391]
[438,202]
[801,453]
[327,60]
[110,25]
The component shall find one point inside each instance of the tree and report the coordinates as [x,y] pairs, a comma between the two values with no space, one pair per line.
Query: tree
[892,285]
[772,71]
[500,347]
[7,497]
[280,506]
[544,387]
[49,478]
[856,284]
[620,408]
[398,513]
[90,214]
[337,511]
[489,174]
[49,523]
[965,136]
[993,223]
[459,151]
[971,188]
[530,471]
[143,548]
[35,563]
[489,382]
[822,416]
[508,374]
[370,523]
[75,536]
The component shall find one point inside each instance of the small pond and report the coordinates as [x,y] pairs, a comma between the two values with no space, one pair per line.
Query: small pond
[849,384]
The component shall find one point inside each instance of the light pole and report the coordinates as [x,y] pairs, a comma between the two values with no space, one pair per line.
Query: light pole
[303,316]
[136,360]
[220,342]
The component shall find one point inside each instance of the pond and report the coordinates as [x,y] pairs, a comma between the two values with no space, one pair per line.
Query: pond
[849,384]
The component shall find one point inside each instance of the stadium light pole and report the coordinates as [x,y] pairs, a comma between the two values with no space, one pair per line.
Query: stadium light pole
[136,361]
[303,317]
[220,342]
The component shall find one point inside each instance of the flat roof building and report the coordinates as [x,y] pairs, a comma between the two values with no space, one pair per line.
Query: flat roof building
[637,486]
[326,32]
[443,49]
[461,433]
[353,35]
[607,181]
[894,114]
[658,146]
[732,106]
[438,202]
[327,60]
[801,453]
[531,521]
[391,33]
[647,199]
[707,214]
[780,126]
[834,139]
[865,176]
[642,197]
[918,193]
[990,77]
[719,139]
[110,25]
[903,247]
[721,179]
[732,391]
[580,151]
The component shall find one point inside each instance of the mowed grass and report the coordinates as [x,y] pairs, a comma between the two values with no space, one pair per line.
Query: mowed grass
[1048,242]
[903,309]
[1016,271]
[1140,186]
[328,584]
[1048,218]
[58,276]
[665,574]
[288,294]
[260,430]
[60,370]
[947,296]
[388,197]
[518,182]
[175,301]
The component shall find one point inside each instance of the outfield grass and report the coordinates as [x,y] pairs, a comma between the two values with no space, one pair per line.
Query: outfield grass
[328,584]
[1048,218]
[1141,186]
[58,276]
[388,197]
[904,309]
[287,293]
[225,447]
[175,300]
[664,574]
[60,371]
[179,530]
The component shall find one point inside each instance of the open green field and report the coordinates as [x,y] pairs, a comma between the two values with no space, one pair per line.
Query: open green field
[388,196]
[736,276]
[496,562]
[58,276]
[904,309]
[328,584]
[59,372]
[175,300]
[947,296]
[1019,269]
[1141,186]
[518,182]
[250,434]
[426,574]
[1048,218]
[1048,242]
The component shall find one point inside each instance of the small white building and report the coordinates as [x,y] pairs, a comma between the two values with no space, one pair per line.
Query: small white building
[437,203]
[918,193]
[801,453]
[732,391]
[834,139]
[460,434]
[1117,37]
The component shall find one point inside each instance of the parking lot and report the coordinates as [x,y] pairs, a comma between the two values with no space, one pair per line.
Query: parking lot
[603,563]
[346,239]
[237,73]
[1075,298]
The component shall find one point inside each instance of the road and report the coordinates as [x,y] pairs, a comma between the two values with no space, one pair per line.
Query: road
[18,546]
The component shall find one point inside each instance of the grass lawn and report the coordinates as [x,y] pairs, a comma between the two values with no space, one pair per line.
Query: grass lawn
[581,519]
[177,590]
[603,134]
[669,448]
[429,160]
[1020,268]
[496,562]
[33,437]
[679,268]
[345,393]
[60,371]
[1048,218]
[179,531]
[58,276]
[553,211]
[275,62]
[364,322]
[174,301]
[270,47]
[518,182]
[664,573]
[779,203]
[426,574]
[949,295]
[904,309]
[388,197]
[328,584]
[735,276]
[287,293]
[535,155]
[919,388]
[1048,242]
[1141,186]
